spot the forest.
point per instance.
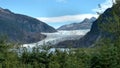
(104, 54)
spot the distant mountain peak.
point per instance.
(97, 32)
(93, 18)
(85, 20)
(21, 28)
(85, 24)
(5, 10)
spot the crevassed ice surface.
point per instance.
(54, 38)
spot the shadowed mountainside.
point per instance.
(96, 31)
(21, 28)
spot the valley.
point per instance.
(56, 37)
(60, 34)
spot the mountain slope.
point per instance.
(22, 28)
(97, 32)
(85, 24)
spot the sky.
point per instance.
(57, 12)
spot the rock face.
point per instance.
(96, 31)
(85, 24)
(22, 28)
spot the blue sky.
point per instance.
(56, 12)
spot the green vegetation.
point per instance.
(98, 57)
(105, 53)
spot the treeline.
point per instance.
(105, 55)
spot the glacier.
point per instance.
(62, 35)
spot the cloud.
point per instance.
(104, 6)
(67, 18)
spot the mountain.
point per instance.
(21, 28)
(85, 24)
(97, 32)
